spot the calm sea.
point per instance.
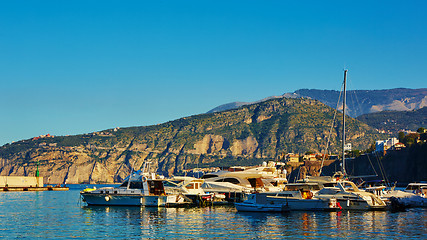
(61, 215)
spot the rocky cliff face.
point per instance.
(257, 132)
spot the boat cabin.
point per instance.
(417, 188)
(155, 187)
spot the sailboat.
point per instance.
(348, 195)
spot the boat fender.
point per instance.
(107, 198)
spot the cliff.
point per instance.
(402, 166)
(247, 135)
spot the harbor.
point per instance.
(60, 215)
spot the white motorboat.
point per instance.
(405, 199)
(285, 201)
(191, 188)
(417, 188)
(257, 203)
(350, 197)
(399, 200)
(139, 189)
(413, 196)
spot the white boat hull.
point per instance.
(269, 202)
(128, 200)
(358, 205)
(247, 207)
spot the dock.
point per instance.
(32, 189)
(24, 183)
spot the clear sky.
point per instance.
(72, 67)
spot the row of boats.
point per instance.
(262, 189)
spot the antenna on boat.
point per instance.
(343, 123)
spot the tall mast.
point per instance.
(343, 124)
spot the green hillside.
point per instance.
(394, 121)
(246, 135)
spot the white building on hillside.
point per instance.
(383, 145)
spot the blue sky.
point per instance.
(72, 67)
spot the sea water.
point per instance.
(62, 215)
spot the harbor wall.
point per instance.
(18, 181)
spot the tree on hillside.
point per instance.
(371, 148)
(401, 136)
(410, 139)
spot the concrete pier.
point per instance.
(20, 183)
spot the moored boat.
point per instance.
(350, 197)
(139, 189)
(286, 201)
(417, 188)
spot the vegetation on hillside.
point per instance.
(246, 135)
(395, 121)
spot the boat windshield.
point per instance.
(171, 183)
(349, 186)
(230, 180)
(415, 186)
(206, 176)
(137, 185)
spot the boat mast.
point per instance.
(343, 124)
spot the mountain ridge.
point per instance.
(359, 102)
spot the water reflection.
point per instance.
(59, 215)
(346, 224)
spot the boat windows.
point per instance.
(329, 184)
(137, 185)
(194, 185)
(156, 187)
(284, 195)
(230, 180)
(170, 184)
(412, 187)
(209, 176)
